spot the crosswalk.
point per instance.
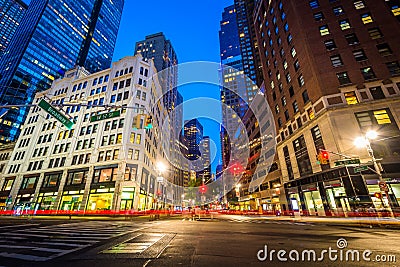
(263, 221)
(39, 244)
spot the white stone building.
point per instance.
(101, 163)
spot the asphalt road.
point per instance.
(227, 241)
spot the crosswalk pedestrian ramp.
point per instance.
(39, 244)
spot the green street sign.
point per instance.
(56, 114)
(105, 116)
(361, 168)
(347, 162)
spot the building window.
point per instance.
(293, 52)
(351, 39)
(280, 122)
(338, 10)
(288, 78)
(291, 91)
(296, 65)
(105, 175)
(375, 33)
(336, 61)
(359, 55)
(324, 30)
(384, 49)
(300, 80)
(377, 93)
(368, 73)
(287, 117)
(314, 4)
(277, 109)
(301, 153)
(344, 24)
(319, 16)
(351, 98)
(330, 44)
(289, 168)
(295, 107)
(29, 182)
(343, 78)
(359, 4)
(366, 18)
(283, 100)
(305, 97)
(393, 67)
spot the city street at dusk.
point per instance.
(199, 133)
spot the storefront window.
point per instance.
(71, 202)
(100, 201)
(314, 203)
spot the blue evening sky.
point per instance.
(192, 27)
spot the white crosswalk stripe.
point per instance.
(45, 243)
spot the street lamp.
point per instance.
(364, 141)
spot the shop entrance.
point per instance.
(338, 201)
(127, 197)
(314, 203)
(100, 201)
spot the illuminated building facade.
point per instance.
(103, 162)
(11, 13)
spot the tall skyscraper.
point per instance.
(332, 74)
(193, 134)
(11, 13)
(54, 36)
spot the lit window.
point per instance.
(351, 39)
(359, 4)
(295, 107)
(285, 65)
(319, 16)
(366, 18)
(351, 98)
(368, 73)
(344, 24)
(343, 78)
(330, 44)
(336, 61)
(396, 10)
(300, 79)
(359, 55)
(293, 52)
(375, 33)
(314, 4)
(384, 49)
(338, 10)
(382, 117)
(324, 30)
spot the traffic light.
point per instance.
(137, 121)
(378, 195)
(148, 122)
(323, 157)
(203, 189)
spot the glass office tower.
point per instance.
(55, 35)
(11, 13)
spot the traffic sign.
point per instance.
(105, 116)
(383, 186)
(361, 168)
(347, 162)
(56, 114)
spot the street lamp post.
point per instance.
(365, 142)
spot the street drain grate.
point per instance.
(144, 246)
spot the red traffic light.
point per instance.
(325, 154)
(203, 189)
